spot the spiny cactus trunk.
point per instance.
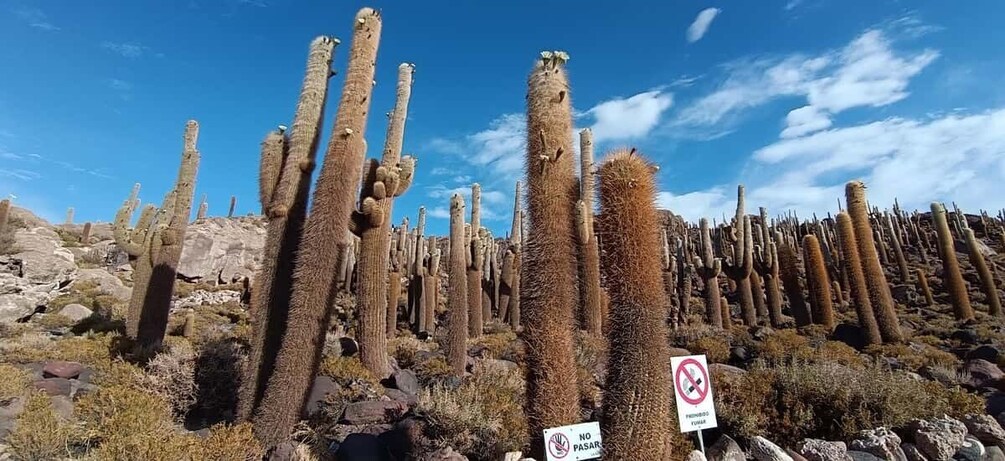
(4, 214)
(953, 278)
(818, 283)
(393, 293)
(85, 235)
(708, 268)
(431, 290)
(506, 285)
(233, 203)
(636, 411)
(457, 294)
(326, 234)
(926, 292)
(788, 268)
(150, 314)
(757, 291)
(284, 186)
(474, 260)
(416, 283)
(589, 253)
(203, 209)
(875, 279)
(385, 182)
(739, 266)
(548, 272)
(987, 279)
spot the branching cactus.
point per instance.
(875, 279)
(637, 396)
(284, 184)
(708, 267)
(738, 265)
(589, 253)
(325, 236)
(457, 294)
(390, 179)
(149, 306)
(475, 258)
(987, 279)
(549, 297)
(819, 284)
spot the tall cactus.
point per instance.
(684, 282)
(549, 296)
(4, 214)
(146, 321)
(708, 267)
(85, 234)
(416, 284)
(953, 278)
(589, 253)
(926, 292)
(987, 279)
(457, 294)
(325, 236)
(766, 265)
(203, 209)
(69, 216)
(516, 244)
(284, 185)
(817, 282)
(383, 183)
(431, 289)
(233, 203)
(637, 409)
(875, 279)
(788, 269)
(856, 281)
(739, 264)
(474, 259)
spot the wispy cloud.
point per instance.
(20, 174)
(701, 23)
(130, 50)
(866, 72)
(628, 118)
(36, 18)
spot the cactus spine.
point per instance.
(856, 281)
(817, 282)
(457, 291)
(589, 253)
(383, 183)
(284, 185)
(953, 278)
(475, 259)
(987, 279)
(637, 396)
(879, 290)
(550, 298)
(326, 235)
(708, 267)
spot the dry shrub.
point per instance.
(53, 321)
(14, 383)
(344, 370)
(715, 348)
(40, 434)
(404, 348)
(126, 423)
(218, 367)
(913, 356)
(496, 344)
(170, 375)
(787, 347)
(232, 443)
(482, 418)
(433, 370)
(829, 401)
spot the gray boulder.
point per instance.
(222, 250)
(107, 282)
(75, 312)
(763, 450)
(822, 450)
(985, 428)
(940, 438)
(880, 442)
(41, 258)
(725, 449)
(972, 450)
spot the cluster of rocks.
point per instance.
(211, 298)
(62, 381)
(32, 276)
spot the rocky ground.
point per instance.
(69, 392)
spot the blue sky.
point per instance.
(791, 98)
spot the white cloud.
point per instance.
(866, 72)
(792, 4)
(119, 85)
(129, 50)
(701, 23)
(630, 118)
(36, 18)
(956, 157)
(805, 120)
(20, 174)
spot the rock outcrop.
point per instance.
(222, 250)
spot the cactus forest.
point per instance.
(865, 331)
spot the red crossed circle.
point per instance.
(558, 445)
(702, 392)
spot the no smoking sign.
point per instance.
(693, 391)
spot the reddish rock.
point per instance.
(54, 386)
(60, 369)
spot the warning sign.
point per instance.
(693, 389)
(573, 443)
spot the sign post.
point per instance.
(693, 391)
(573, 443)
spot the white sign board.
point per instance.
(573, 443)
(693, 390)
